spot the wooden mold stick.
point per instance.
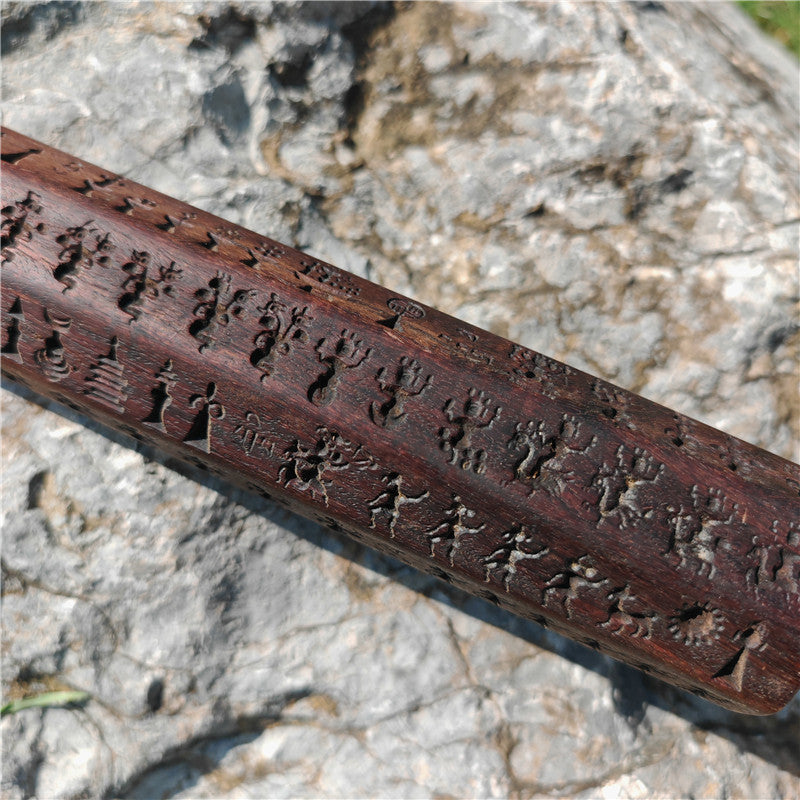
(560, 497)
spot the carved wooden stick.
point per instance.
(628, 527)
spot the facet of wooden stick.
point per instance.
(601, 515)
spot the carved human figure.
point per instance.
(219, 305)
(516, 544)
(453, 529)
(338, 355)
(391, 500)
(406, 382)
(579, 585)
(282, 329)
(142, 285)
(476, 413)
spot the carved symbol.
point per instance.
(211, 243)
(263, 251)
(516, 545)
(754, 640)
(141, 286)
(79, 253)
(282, 329)
(130, 204)
(777, 567)
(106, 384)
(51, 358)
(538, 445)
(694, 532)
(199, 435)
(392, 500)
(466, 346)
(305, 467)
(250, 435)
(15, 158)
(89, 187)
(407, 382)
(617, 485)
(457, 443)
(16, 225)
(453, 529)
(171, 223)
(10, 349)
(330, 277)
(571, 444)
(401, 307)
(697, 624)
(553, 376)
(345, 353)
(162, 399)
(217, 307)
(614, 400)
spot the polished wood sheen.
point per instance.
(560, 497)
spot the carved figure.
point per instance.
(18, 224)
(338, 356)
(52, 358)
(250, 435)
(627, 615)
(777, 567)
(391, 501)
(453, 529)
(142, 285)
(282, 329)
(697, 624)
(579, 580)
(407, 382)
(516, 545)
(82, 248)
(199, 435)
(162, 399)
(10, 349)
(107, 384)
(219, 305)
(476, 414)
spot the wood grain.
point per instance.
(606, 517)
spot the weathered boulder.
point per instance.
(614, 185)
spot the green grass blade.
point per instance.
(45, 700)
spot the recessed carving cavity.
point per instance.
(145, 282)
(404, 382)
(106, 383)
(52, 358)
(478, 411)
(338, 355)
(219, 305)
(283, 329)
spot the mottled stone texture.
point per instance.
(615, 186)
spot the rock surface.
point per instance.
(613, 185)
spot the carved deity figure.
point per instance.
(338, 355)
(453, 529)
(406, 382)
(476, 413)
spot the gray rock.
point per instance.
(614, 185)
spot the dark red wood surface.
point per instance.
(618, 522)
